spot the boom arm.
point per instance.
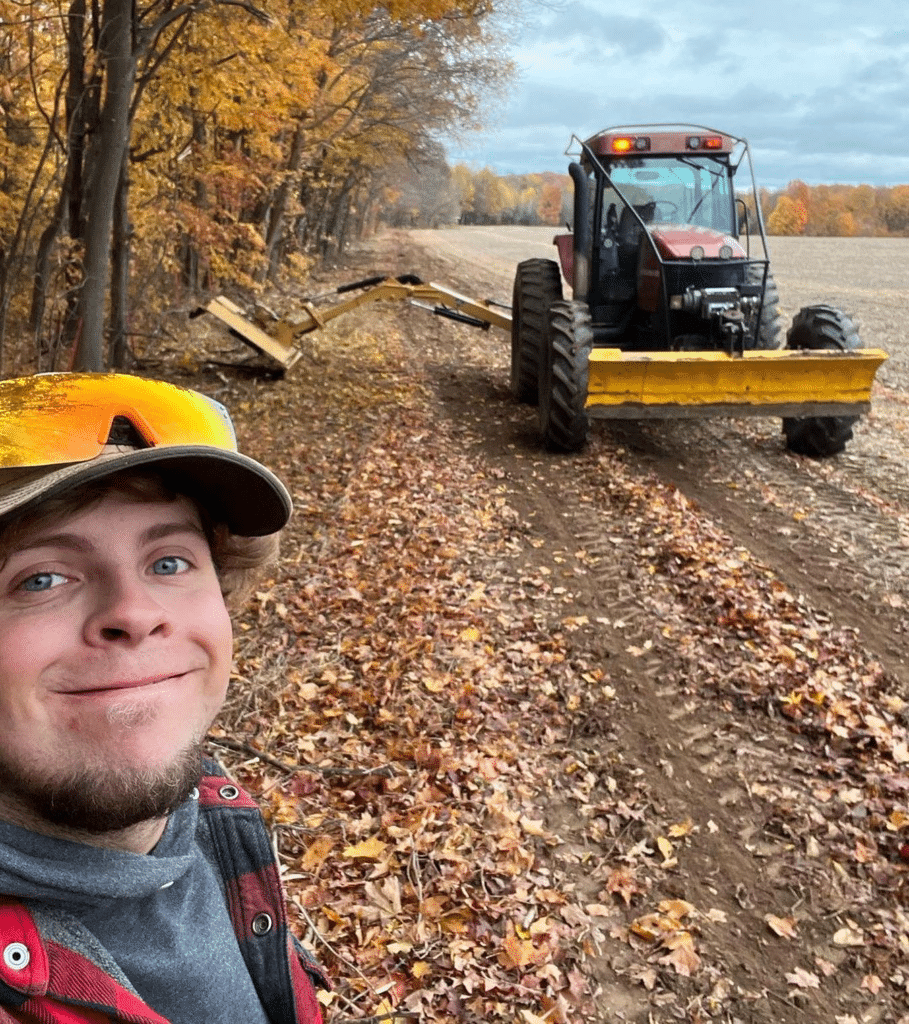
(279, 341)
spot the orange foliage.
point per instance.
(550, 206)
(789, 217)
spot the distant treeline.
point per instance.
(433, 195)
(836, 210)
(460, 195)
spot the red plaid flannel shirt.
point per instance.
(43, 982)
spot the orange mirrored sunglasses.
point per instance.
(57, 418)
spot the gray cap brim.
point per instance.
(235, 489)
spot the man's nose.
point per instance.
(126, 612)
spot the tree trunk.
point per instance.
(80, 108)
(105, 160)
(190, 254)
(119, 290)
(275, 232)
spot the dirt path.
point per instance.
(646, 705)
(838, 531)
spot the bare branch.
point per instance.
(386, 771)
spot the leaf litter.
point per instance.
(461, 834)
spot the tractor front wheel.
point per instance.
(820, 327)
(537, 285)
(564, 377)
(771, 326)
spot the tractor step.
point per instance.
(654, 385)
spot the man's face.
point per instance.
(115, 654)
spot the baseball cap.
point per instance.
(60, 430)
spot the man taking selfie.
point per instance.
(137, 882)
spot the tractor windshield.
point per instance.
(676, 190)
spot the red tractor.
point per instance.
(671, 314)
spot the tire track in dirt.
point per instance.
(829, 531)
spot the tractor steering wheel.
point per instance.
(673, 207)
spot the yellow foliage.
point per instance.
(789, 217)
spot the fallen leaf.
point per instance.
(803, 979)
(848, 937)
(316, 853)
(826, 968)
(666, 849)
(369, 849)
(622, 882)
(684, 959)
(532, 827)
(684, 828)
(677, 909)
(519, 953)
(782, 926)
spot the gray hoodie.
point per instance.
(157, 923)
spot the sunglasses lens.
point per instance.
(52, 419)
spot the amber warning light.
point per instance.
(705, 141)
(625, 144)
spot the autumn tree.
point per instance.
(462, 180)
(527, 210)
(422, 193)
(896, 210)
(789, 217)
(393, 86)
(211, 139)
(491, 197)
(550, 207)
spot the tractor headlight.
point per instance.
(697, 252)
(725, 252)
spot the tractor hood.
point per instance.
(676, 241)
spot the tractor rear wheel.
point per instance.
(770, 328)
(819, 327)
(565, 375)
(537, 285)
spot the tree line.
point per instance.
(150, 150)
(459, 195)
(432, 196)
(836, 210)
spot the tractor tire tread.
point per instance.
(770, 329)
(537, 284)
(819, 327)
(563, 418)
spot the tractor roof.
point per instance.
(660, 140)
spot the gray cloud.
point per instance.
(613, 33)
(819, 93)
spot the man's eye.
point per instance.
(42, 581)
(170, 565)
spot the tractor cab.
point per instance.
(655, 250)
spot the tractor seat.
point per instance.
(629, 228)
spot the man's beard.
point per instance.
(102, 799)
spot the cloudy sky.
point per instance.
(820, 90)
